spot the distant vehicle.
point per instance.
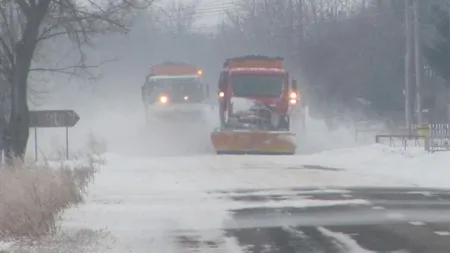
(256, 97)
(174, 91)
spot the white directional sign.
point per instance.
(53, 118)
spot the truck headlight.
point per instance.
(163, 99)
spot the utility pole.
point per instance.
(448, 89)
(418, 59)
(301, 19)
(298, 54)
(408, 65)
(290, 30)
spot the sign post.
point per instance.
(35, 144)
(53, 119)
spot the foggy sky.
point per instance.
(210, 12)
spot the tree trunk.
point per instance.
(19, 121)
(24, 51)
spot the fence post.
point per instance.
(427, 144)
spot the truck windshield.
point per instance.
(177, 88)
(248, 85)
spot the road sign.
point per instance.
(53, 118)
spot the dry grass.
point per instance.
(33, 196)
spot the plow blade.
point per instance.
(253, 142)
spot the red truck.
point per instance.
(256, 96)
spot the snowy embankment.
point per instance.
(413, 165)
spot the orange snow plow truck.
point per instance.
(255, 99)
(174, 91)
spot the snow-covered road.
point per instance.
(143, 201)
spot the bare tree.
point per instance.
(26, 26)
(178, 18)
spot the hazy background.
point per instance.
(348, 56)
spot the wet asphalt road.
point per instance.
(396, 220)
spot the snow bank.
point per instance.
(318, 137)
(413, 165)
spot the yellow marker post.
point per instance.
(423, 130)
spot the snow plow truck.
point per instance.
(256, 97)
(174, 91)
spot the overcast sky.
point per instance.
(210, 12)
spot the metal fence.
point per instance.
(433, 137)
(437, 137)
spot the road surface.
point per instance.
(387, 223)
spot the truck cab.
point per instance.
(174, 88)
(259, 83)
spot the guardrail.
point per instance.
(434, 138)
(405, 140)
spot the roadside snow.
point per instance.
(413, 165)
